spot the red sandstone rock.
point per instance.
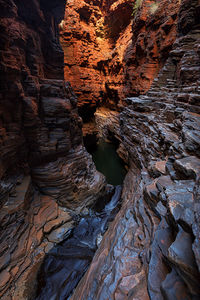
(41, 131)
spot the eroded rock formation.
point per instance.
(114, 49)
(41, 129)
(40, 142)
(151, 250)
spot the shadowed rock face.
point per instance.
(41, 150)
(40, 127)
(113, 50)
(151, 250)
(66, 263)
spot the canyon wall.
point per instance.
(151, 250)
(114, 49)
(40, 127)
(43, 163)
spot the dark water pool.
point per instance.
(108, 162)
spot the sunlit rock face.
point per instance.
(151, 250)
(114, 49)
(40, 126)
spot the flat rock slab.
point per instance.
(189, 166)
(181, 255)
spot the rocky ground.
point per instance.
(151, 250)
(41, 144)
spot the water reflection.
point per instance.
(108, 162)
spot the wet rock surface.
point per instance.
(66, 263)
(116, 271)
(151, 250)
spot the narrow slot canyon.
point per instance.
(100, 150)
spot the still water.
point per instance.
(108, 162)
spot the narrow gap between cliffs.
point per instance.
(67, 262)
(105, 156)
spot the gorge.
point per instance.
(74, 73)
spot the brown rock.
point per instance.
(4, 278)
(40, 125)
(58, 235)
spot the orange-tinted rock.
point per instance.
(160, 132)
(4, 278)
(112, 51)
(141, 256)
(41, 149)
(25, 239)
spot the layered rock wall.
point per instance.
(40, 126)
(114, 49)
(151, 251)
(43, 163)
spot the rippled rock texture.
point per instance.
(67, 262)
(114, 49)
(40, 127)
(31, 224)
(151, 251)
(43, 163)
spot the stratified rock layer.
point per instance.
(40, 127)
(151, 250)
(31, 224)
(114, 49)
(43, 163)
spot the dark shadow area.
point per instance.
(108, 162)
(116, 21)
(86, 112)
